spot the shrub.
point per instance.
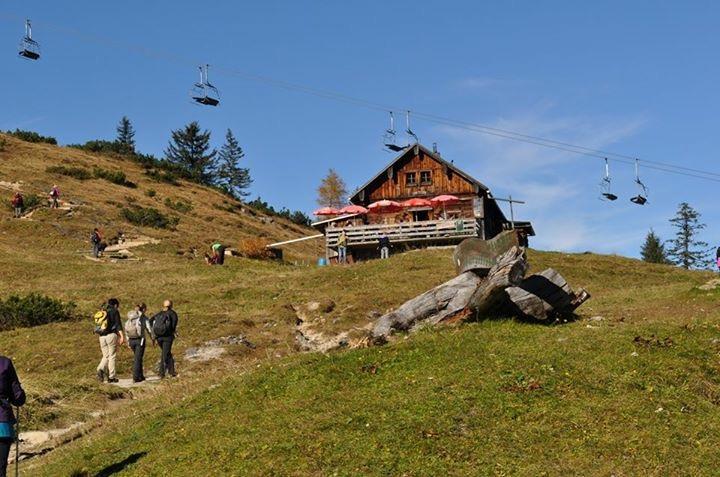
(150, 193)
(297, 216)
(162, 176)
(2, 144)
(149, 217)
(180, 206)
(31, 136)
(76, 172)
(116, 177)
(102, 146)
(254, 247)
(33, 310)
(30, 202)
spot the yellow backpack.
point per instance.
(101, 321)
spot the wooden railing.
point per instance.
(427, 230)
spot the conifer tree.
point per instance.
(332, 191)
(653, 250)
(685, 249)
(230, 176)
(190, 149)
(126, 135)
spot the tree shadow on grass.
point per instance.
(120, 466)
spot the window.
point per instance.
(410, 179)
(425, 177)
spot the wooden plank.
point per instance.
(302, 239)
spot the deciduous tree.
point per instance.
(332, 191)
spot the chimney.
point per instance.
(435, 151)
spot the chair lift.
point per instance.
(204, 92)
(605, 185)
(29, 48)
(409, 131)
(641, 198)
(389, 138)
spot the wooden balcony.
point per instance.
(438, 231)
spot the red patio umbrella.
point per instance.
(444, 200)
(353, 209)
(326, 211)
(417, 202)
(384, 207)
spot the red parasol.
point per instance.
(384, 207)
(326, 211)
(444, 200)
(353, 209)
(417, 202)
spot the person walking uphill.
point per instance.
(137, 328)
(18, 204)
(11, 394)
(54, 197)
(96, 240)
(164, 328)
(109, 327)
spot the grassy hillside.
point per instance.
(592, 397)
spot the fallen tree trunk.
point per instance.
(466, 295)
(544, 296)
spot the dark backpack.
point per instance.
(95, 238)
(162, 325)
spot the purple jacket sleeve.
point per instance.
(18, 393)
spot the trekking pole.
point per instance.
(17, 441)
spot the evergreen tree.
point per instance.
(126, 135)
(685, 249)
(230, 176)
(653, 250)
(189, 148)
(332, 191)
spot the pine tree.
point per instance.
(126, 135)
(189, 148)
(332, 191)
(653, 250)
(685, 249)
(230, 176)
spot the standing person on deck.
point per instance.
(11, 394)
(54, 196)
(164, 327)
(18, 204)
(137, 329)
(111, 337)
(342, 247)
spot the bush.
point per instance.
(162, 176)
(116, 177)
(31, 136)
(2, 144)
(297, 217)
(104, 147)
(180, 206)
(33, 310)
(30, 202)
(254, 247)
(76, 172)
(149, 217)
(150, 193)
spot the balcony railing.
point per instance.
(422, 231)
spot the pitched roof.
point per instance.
(429, 153)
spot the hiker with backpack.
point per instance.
(54, 197)
(110, 330)
(164, 327)
(137, 328)
(18, 204)
(11, 394)
(96, 240)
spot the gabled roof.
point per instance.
(428, 152)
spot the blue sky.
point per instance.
(638, 78)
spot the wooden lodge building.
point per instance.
(417, 172)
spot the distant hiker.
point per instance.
(384, 246)
(164, 327)
(11, 394)
(137, 329)
(18, 203)
(54, 197)
(96, 240)
(342, 247)
(218, 254)
(109, 327)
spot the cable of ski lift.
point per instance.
(29, 48)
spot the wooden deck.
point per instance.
(441, 231)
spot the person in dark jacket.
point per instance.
(18, 204)
(384, 246)
(110, 339)
(96, 240)
(137, 338)
(11, 394)
(165, 330)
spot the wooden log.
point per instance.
(466, 295)
(544, 296)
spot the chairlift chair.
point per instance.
(29, 48)
(203, 92)
(390, 138)
(409, 131)
(605, 189)
(641, 198)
